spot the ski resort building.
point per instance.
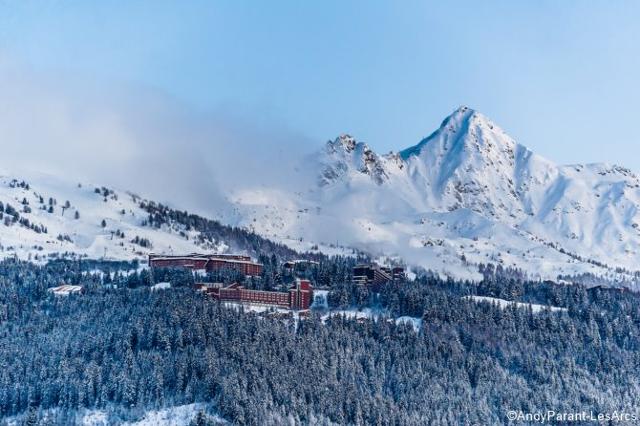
(300, 296)
(207, 262)
(371, 274)
(375, 275)
(292, 267)
(398, 274)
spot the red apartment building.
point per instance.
(300, 296)
(207, 262)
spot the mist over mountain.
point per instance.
(137, 139)
(466, 194)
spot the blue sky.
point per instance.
(559, 76)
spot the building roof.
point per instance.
(207, 257)
(65, 289)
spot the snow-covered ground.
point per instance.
(65, 289)
(73, 215)
(180, 415)
(361, 314)
(504, 303)
(366, 313)
(416, 323)
(260, 309)
(173, 416)
(160, 286)
(320, 299)
(372, 314)
(465, 195)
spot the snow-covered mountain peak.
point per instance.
(467, 189)
(462, 130)
(465, 142)
(344, 141)
(465, 195)
(345, 156)
(469, 162)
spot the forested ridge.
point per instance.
(124, 348)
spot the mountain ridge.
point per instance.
(466, 177)
(467, 194)
(44, 217)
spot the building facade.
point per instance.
(207, 262)
(376, 276)
(300, 296)
(371, 275)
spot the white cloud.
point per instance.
(137, 139)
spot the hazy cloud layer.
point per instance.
(137, 139)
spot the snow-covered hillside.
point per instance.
(467, 194)
(43, 216)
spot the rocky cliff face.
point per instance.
(346, 158)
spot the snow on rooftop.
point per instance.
(65, 289)
(161, 286)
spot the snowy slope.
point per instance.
(502, 303)
(466, 194)
(170, 416)
(57, 216)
